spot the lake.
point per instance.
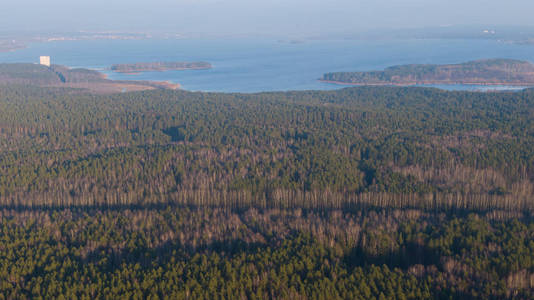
(254, 65)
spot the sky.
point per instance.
(272, 17)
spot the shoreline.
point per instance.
(107, 85)
(523, 84)
(148, 83)
(167, 84)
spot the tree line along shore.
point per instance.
(481, 72)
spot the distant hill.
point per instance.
(160, 66)
(61, 76)
(479, 72)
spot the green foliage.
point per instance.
(360, 193)
(406, 146)
(486, 72)
(217, 254)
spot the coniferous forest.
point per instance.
(359, 193)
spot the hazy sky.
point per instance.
(280, 17)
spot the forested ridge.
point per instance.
(33, 74)
(359, 193)
(483, 72)
(65, 77)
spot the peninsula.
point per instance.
(160, 66)
(83, 79)
(479, 72)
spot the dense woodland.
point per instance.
(387, 147)
(483, 72)
(360, 193)
(34, 74)
(64, 77)
(182, 253)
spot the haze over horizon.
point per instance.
(275, 17)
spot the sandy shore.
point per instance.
(117, 86)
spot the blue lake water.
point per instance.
(253, 65)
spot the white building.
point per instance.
(44, 60)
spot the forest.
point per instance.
(478, 72)
(398, 147)
(214, 253)
(75, 78)
(358, 193)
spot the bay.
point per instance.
(256, 65)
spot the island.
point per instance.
(77, 78)
(160, 67)
(479, 72)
